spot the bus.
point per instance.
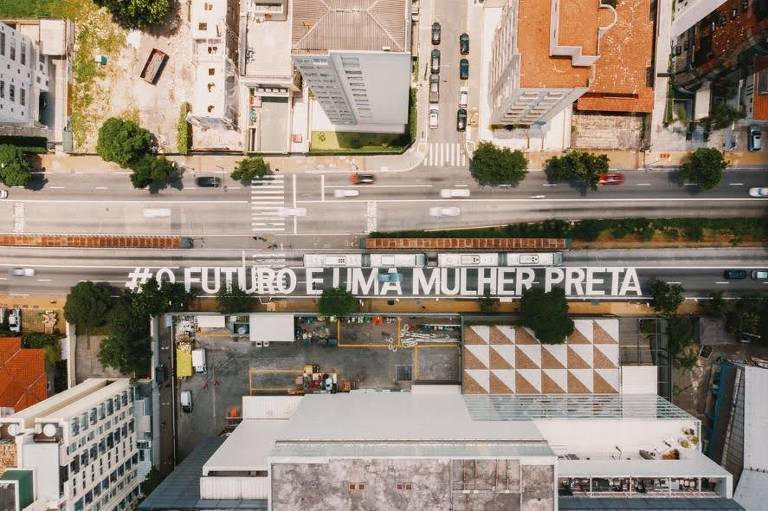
(452, 260)
(534, 259)
(365, 260)
(333, 260)
(395, 260)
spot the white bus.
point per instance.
(467, 260)
(333, 260)
(534, 259)
(395, 260)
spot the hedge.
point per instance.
(183, 131)
(30, 145)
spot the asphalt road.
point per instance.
(698, 270)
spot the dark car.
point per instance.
(435, 33)
(464, 44)
(461, 119)
(208, 181)
(463, 69)
(735, 274)
(435, 61)
(363, 179)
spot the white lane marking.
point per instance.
(137, 201)
(552, 185)
(322, 187)
(585, 199)
(735, 184)
(18, 294)
(294, 190)
(461, 185)
(722, 282)
(101, 188)
(3, 278)
(56, 187)
(642, 184)
(384, 186)
(44, 280)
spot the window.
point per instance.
(762, 83)
(211, 71)
(2, 89)
(24, 52)
(202, 26)
(13, 49)
(2, 43)
(23, 96)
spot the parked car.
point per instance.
(758, 192)
(186, 401)
(444, 211)
(434, 117)
(3, 194)
(435, 61)
(362, 179)
(760, 274)
(464, 43)
(451, 193)
(611, 178)
(435, 33)
(341, 193)
(434, 88)
(735, 274)
(161, 373)
(22, 272)
(463, 69)
(14, 320)
(463, 97)
(461, 119)
(753, 138)
(208, 182)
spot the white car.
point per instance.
(14, 320)
(285, 212)
(444, 211)
(463, 97)
(758, 192)
(434, 117)
(452, 193)
(22, 272)
(341, 193)
(3, 194)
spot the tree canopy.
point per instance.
(337, 301)
(14, 167)
(577, 166)
(666, 298)
(232, 299)
(128, 349)
(137, 13)
(88, 304)
(153, 299)
(152, 171)
(749, 315)
(723, 115)
(546, 314)
(248, 169)
(123, 141)
(704, 167)
(492, 165)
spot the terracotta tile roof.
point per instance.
(620, 79)
(320, 25)
(23, 380)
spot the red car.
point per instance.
(611, 179)
(362, 179)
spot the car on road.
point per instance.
(611, 178)
(435, 61)
(362, 179)
(758, 192)
(463, 69)
(208, 182)
(464, 43)
(286, 212)
(451, 193)
(14, 320)
(753, 138)
(735, 274)
(463, 97)
(341, 193)
(435, 33)
(434, 88)
(434, 117)
(760, 274)
(22, 272)
(391, 276)
(185, 399)
(438, 211)
(3, 194)
(461, 119)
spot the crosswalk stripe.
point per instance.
(445, 154)
(267, 198)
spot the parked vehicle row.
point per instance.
(739, 274)
(453, 260)
(434, 80)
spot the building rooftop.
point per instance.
(752, 490)
(372, 25)
(620, 81)
(247, 447)
(23, 380)
(647, 504)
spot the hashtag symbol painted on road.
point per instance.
(138, 277)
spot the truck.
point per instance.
(183, 363)
(534, 259)
(153, 66)
(198, 361)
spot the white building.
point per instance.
(689, 12)
(79, 446)
(356, 60)
(23, 76)
(542, 57)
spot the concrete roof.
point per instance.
(320, 25)
(752, 491)
(755, 418)
(56, 402)
(693, 466)
(247, 447)
(272, 327)
(472, 450)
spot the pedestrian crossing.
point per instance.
(267, 199)
(445, 154)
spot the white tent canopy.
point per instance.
(271, 327)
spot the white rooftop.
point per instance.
(270, 42)
(695, 466)
(752, 491)
(247, 447)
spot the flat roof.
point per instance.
(247, 447)
(752, 490)
(270, 42)
(271, 327)
(693, 466)
(52, 404)
(371, 25)
(755, 418)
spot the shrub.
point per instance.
(123, 142)
(492, 165)
(14, 167)
(183, 131)
(249, 169)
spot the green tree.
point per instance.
(138, 13)
(714, 307)
(546, 314)
(88, 304)
(577, 166)
(248, 169)
(152, 171)
(337, 301)
(128, 349)
(123, 142)
(680, 334)
(152, 299)
(704, 167)
(723, 115)
(232, 300)
(492, 165)
(666, 298)
(14, 167)
(151, 481)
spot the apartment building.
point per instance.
(689, 12)
(23, 76)
(76, 450)
(356, 61)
